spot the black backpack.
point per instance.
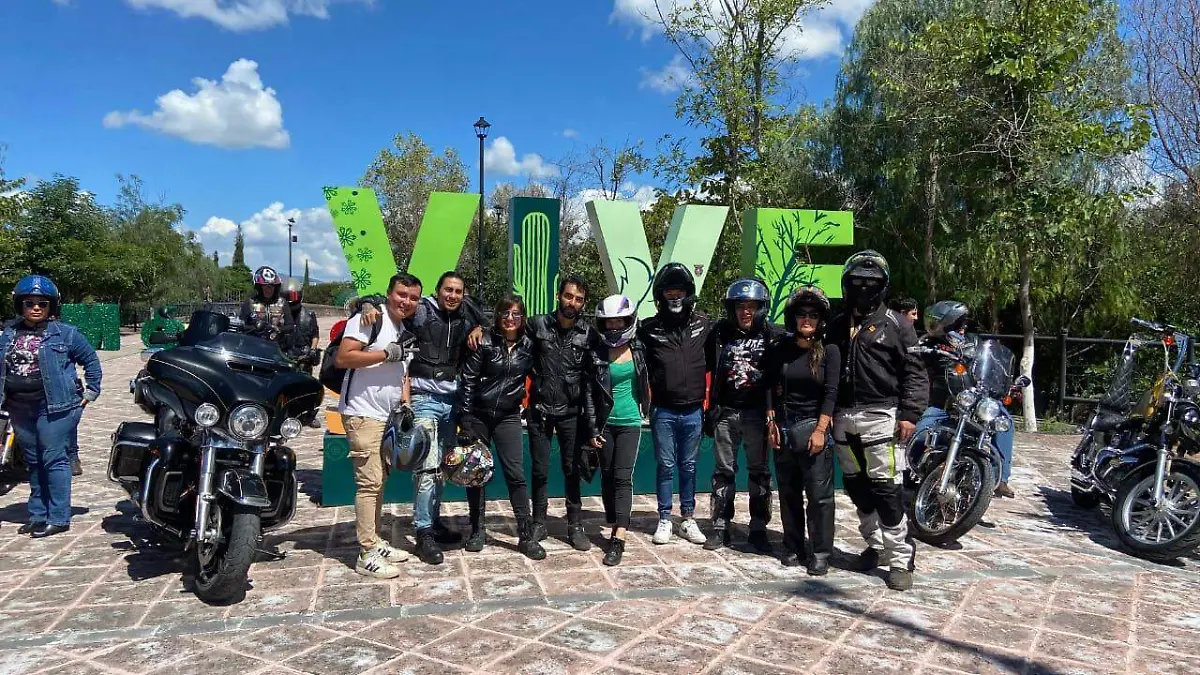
(331, 376)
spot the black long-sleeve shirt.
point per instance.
(793, 391)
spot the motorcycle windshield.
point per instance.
(246, 348)
(993, 367)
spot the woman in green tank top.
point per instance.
(617, 403)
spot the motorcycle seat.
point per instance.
(1108, 421)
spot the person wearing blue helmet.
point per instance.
(737, 403)
(39, 360)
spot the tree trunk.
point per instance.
(1027, 355)
(993, 311)
(931, 213)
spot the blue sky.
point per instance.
(298, 94)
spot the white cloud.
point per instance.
(240, 15)
(237, 112)
(501, 157)
(673, 77)
(266, 235)
(823, 32)
(570, 133)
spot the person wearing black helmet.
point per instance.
(675, 340)
(802, 375)
(39, 360)
(946, 330)
(883, 392)
(737, 398)
(265, 312)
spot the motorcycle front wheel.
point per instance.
(222, 568)
(942, 519)
(1159, 533)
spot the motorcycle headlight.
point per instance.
(290, 428)
(965, 400)
(207, 415)
(988, 410)
(248, 422)
(1002, 424)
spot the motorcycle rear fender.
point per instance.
(243, 487)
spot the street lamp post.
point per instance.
(481, 131)
(291, 238)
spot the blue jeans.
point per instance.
(45, 438)
(676, 445)
(427, 485)
(1003, 440)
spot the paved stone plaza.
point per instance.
(1039, 588)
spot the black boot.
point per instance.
(445, 535)
(577, 538)
(478, 537)
(758, 539)
(427, 548)
(526, 543)
(718, 538)
(868, 560)
(538, 527)
(818, 566)
(616, 548)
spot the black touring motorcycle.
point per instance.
(213, 470)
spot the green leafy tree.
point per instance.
(239, 249)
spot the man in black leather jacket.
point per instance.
(561, 368)
(884, 390)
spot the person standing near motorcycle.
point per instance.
(946, 330)
(883, 391)
(305, 336)
(618, 400)
(377, 383)
(735, 349)
(802, 374)
(675, 340)
(265, 312)
(490, 392)
(562, 347)
(39, 360)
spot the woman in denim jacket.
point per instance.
(38, 367)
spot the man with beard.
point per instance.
(884, 389)
(736, 348)
(562, 344)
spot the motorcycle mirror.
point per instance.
(1022, 382)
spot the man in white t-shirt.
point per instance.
(375, 383)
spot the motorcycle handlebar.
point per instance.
(1152, 326)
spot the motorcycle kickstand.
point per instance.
(272, 555)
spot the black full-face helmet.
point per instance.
(865, 280)
(674, 276)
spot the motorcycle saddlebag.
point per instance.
(131, 445)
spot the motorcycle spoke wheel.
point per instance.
(937, 515)
(1156, 525)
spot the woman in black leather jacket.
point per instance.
(618, 401)
(491, 389)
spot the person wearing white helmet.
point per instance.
(618, 400)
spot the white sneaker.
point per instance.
(689, 530)
(371, 564)
(390, 553)
(663, 534)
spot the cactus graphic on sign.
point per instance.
(775, 248)
(533, 244)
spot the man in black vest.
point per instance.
(562, 343)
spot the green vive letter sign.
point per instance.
(364, 240)
(775, 245)
(533, 229)
(625, 253)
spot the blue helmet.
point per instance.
(747, 289)
(35, 284)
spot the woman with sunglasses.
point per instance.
(39, 358)
(491, 389)
(802, 374)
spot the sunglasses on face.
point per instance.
(812, 316)
(511, 315)
(39, 304)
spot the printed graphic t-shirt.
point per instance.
(23, 373)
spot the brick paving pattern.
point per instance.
(1040, 587)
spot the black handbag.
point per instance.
(795, 436)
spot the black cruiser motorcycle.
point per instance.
(953, 466)
(213, 470)
(1139, 452)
